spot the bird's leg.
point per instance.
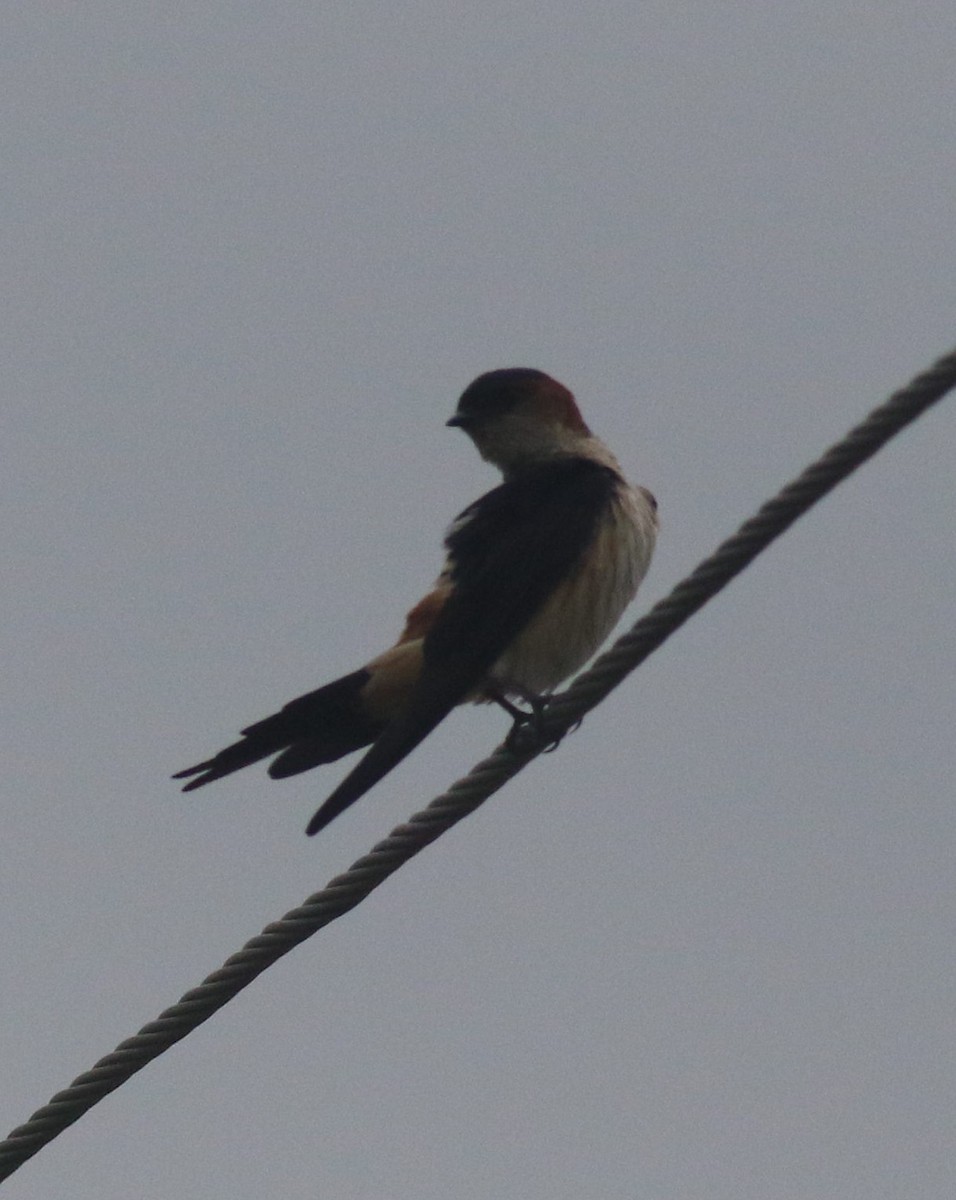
(521, 718)
(517, 715)
(536, 703)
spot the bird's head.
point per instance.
(518, 416)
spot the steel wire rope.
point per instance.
(347, 890)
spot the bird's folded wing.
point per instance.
(507, 553)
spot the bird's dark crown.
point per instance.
(498, 392)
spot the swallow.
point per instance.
(537, 573)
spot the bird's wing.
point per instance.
(507, 553)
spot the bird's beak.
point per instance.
(458, 421)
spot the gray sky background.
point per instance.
(252, 254)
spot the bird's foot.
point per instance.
(531, 720)
(559, 738)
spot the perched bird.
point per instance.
(537, 573)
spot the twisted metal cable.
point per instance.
(345, 891)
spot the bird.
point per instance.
(537, 573)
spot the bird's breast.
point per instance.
(582, 611)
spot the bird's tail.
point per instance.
(316, 728)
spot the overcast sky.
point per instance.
(251, 256)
